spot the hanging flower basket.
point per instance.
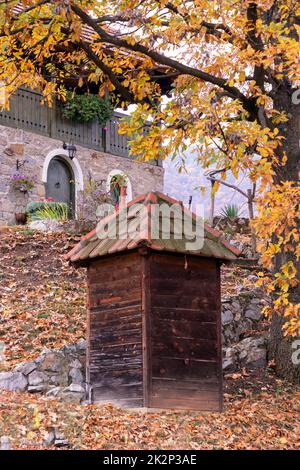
(22, 183)
(87, 107)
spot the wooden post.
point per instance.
(251, 217)
(212, 204)
(106, 133)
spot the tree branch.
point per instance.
(124, 92)
(232, 186)
(162, 59)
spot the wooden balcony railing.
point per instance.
(26, 112)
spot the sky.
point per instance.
(183, 185)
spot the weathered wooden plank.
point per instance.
(185, 384)
(185, 348)
(114, 267)
(122, 311)
(102, 287)
(95, 302)
(125, 337)
(183, 329)
(105, 354)
(116, 330)
(173, 313)
(187, 262)
(200, 301)
(102, 329)
(120, 391)
(185, 404)
(185, 395)
(182, 285)
(117, 364)
(180, 368)
(128, 376)
(116, 339)
(111, 315)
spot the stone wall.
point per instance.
(18, 144)
(230, 226)
(244, 331)
(57, 373)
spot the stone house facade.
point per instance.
(25, 139)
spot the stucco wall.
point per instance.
(18, 144)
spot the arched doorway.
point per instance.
(60, 184)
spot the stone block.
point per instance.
(52, 362)
(36, 378)
(13, 381)
(227, 317)
(26, 368)
(76, 375)
(17, 148)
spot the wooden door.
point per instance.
(60, 182)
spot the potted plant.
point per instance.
(117, 182)
(21, 182)
(21, 218)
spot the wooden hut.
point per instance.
(154, 316)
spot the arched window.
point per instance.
(116, 179)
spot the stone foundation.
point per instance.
(18, 144)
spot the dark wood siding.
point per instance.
(115, 330)
(184, 334)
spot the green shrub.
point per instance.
(38, 210)
(230, 211)
(59, 212)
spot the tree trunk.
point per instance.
(282, 348)
(287, 364)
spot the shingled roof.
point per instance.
(91, 246)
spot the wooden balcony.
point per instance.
(26, 112)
